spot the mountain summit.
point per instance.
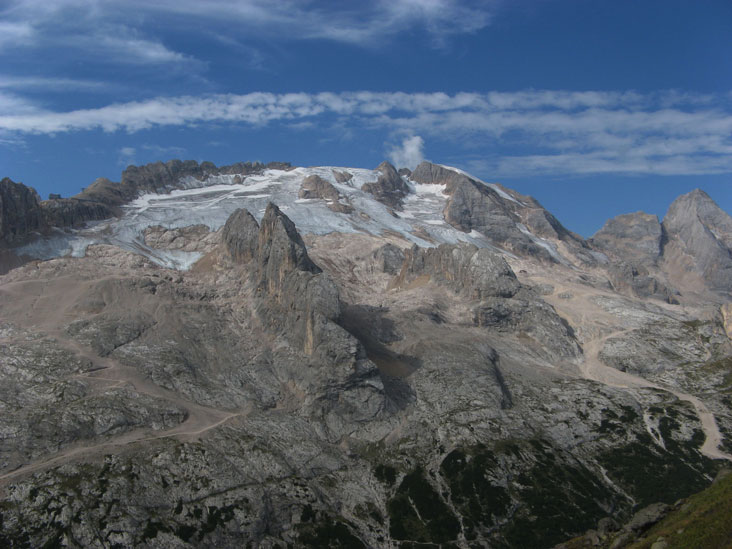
(338, 357)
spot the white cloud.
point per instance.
(556, 132)
(126, 156)
(48, 83)
(366, 23)
(409, 153)
(15, 34)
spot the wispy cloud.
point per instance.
(49, 84)
(409, 153)
(108, 24)
(556, 131)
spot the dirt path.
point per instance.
(107, 373)
(583, 312)
(593, 368)
(190, 429)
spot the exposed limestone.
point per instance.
(342, 177)
(478, 273)
(635, 279)
(240, 235)
(505, 217)
(726, 311)
(390, 188)
(194, 238)
(389, 258)
(315, 186)
(699, 241)
(502, 302)
(632, 237)
(20, 211)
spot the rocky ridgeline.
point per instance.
(690, 250)
(22, 212)
(500, 213)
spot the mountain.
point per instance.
(312, 357)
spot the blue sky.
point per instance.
(594, 107)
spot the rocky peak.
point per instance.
(699, 239)
(20, 210)
(282, 266)
(280, 246)
(429, 173)
(634, 236)
(240, 235)
(473, 205)
(389, 188)
(698, 206)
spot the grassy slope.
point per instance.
(704, 521)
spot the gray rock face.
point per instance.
(194, 238)
(342, 177)
(73, 212)
(390, 188)
(389, 259)
(503, 303)
(631, 237)
(299, 296)
(699, 240)
(315, 186)
(476, 206)
(477, 273)
(20, 210)
(635, 279)
(280, 251)
(240, 235)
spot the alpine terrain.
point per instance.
(276, 356)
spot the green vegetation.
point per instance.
(323, 530)
(558, 499)
(704, 521)
(417, 513)
(385, 474)
(650, 475)
(475, 497)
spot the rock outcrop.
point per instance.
(315, 186)
(300, 302)
(476, 273)
(512, 221)
(635, 279)
(20, 211)
(389, 188)
(503, 303)
(635, 237)
(699, 241)
(240, 235)
(342, 177)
